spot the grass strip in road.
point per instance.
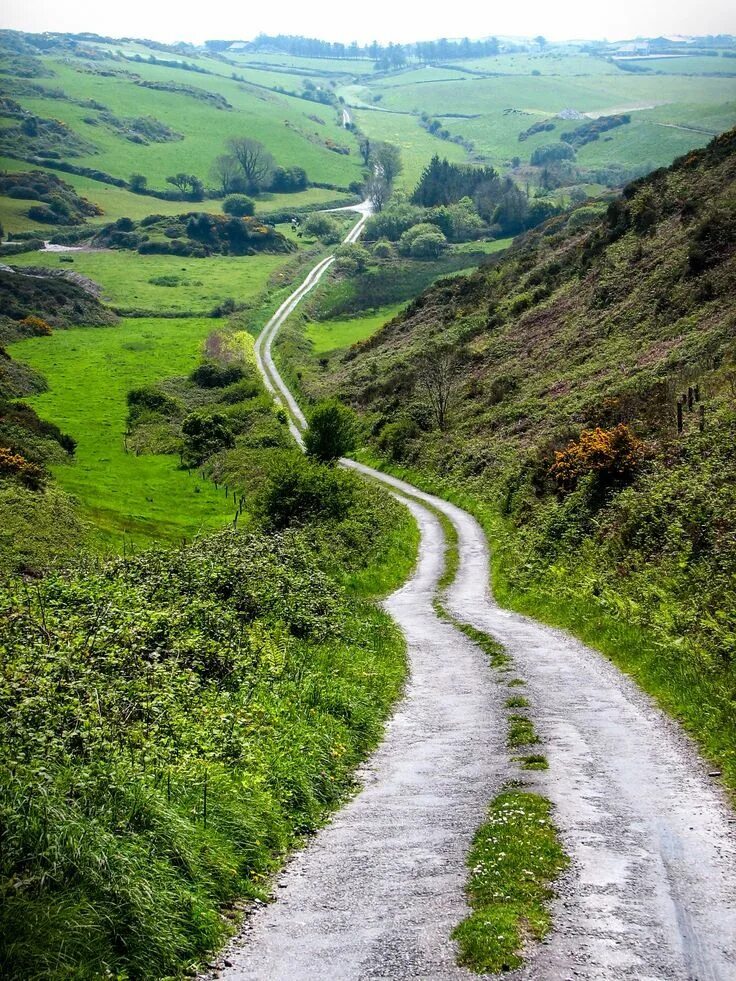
(535, 761)
(521, 732)
(515, 858)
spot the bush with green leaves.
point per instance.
(298, 490)
(383, 249)
(172, 723)
(393, 221)
(323, 227)
(214, 374)
(239, 205)
(151, 401)
(422, 241)
(353, 258)
(333, 431)
(459, 222)
(205, 433)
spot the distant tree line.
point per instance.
(385, 56)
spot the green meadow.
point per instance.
(117, 202)
(281, 122)
(133, 282)
(330, 335)
(128, 498)
(417, 145)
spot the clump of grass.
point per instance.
(521, 732)
(517, 702)
(515, 858)
(496, 652)
(516, 682)
(535, 761)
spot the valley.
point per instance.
(367, 508)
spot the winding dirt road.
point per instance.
(651, 893)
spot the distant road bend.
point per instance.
(651, 893)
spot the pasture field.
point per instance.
(281, 122)
(128, 498)
(670, 113)
(116, 202)
(417, 145)
(127, 277)
(685, 64)
(331, 335)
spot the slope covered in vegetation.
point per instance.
(173, 723)
(544, 391)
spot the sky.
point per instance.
(382, 20)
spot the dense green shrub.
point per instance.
(332, 432)
(552, 153)
(205, 433)
(297, 491)
(214, 374)
(422, 241)
(239, 205)
(151, 401)
(171, 724)
(323, 227)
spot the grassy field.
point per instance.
(505, 104)
(417, 145)
(90, 371)
(116, 202)
(128, 278)
(329, 335)
(281, 122)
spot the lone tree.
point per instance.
(226, 174)
(378, 191)
(188, 184)
(239, 205)
(255, 162)
(387, 161)
(438, 376)
(333, 432)
(365, 150)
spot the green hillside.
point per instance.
(561, 366)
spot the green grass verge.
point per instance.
(515, 856)
(330, 335)
(392, 565)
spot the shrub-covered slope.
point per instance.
(171, 724)
(560, 368)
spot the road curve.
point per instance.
(651, 893)
(377, 892)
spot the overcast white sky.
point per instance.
(383, 20)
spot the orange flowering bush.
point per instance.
(613, 454)
(37, 326)
(16, 466)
